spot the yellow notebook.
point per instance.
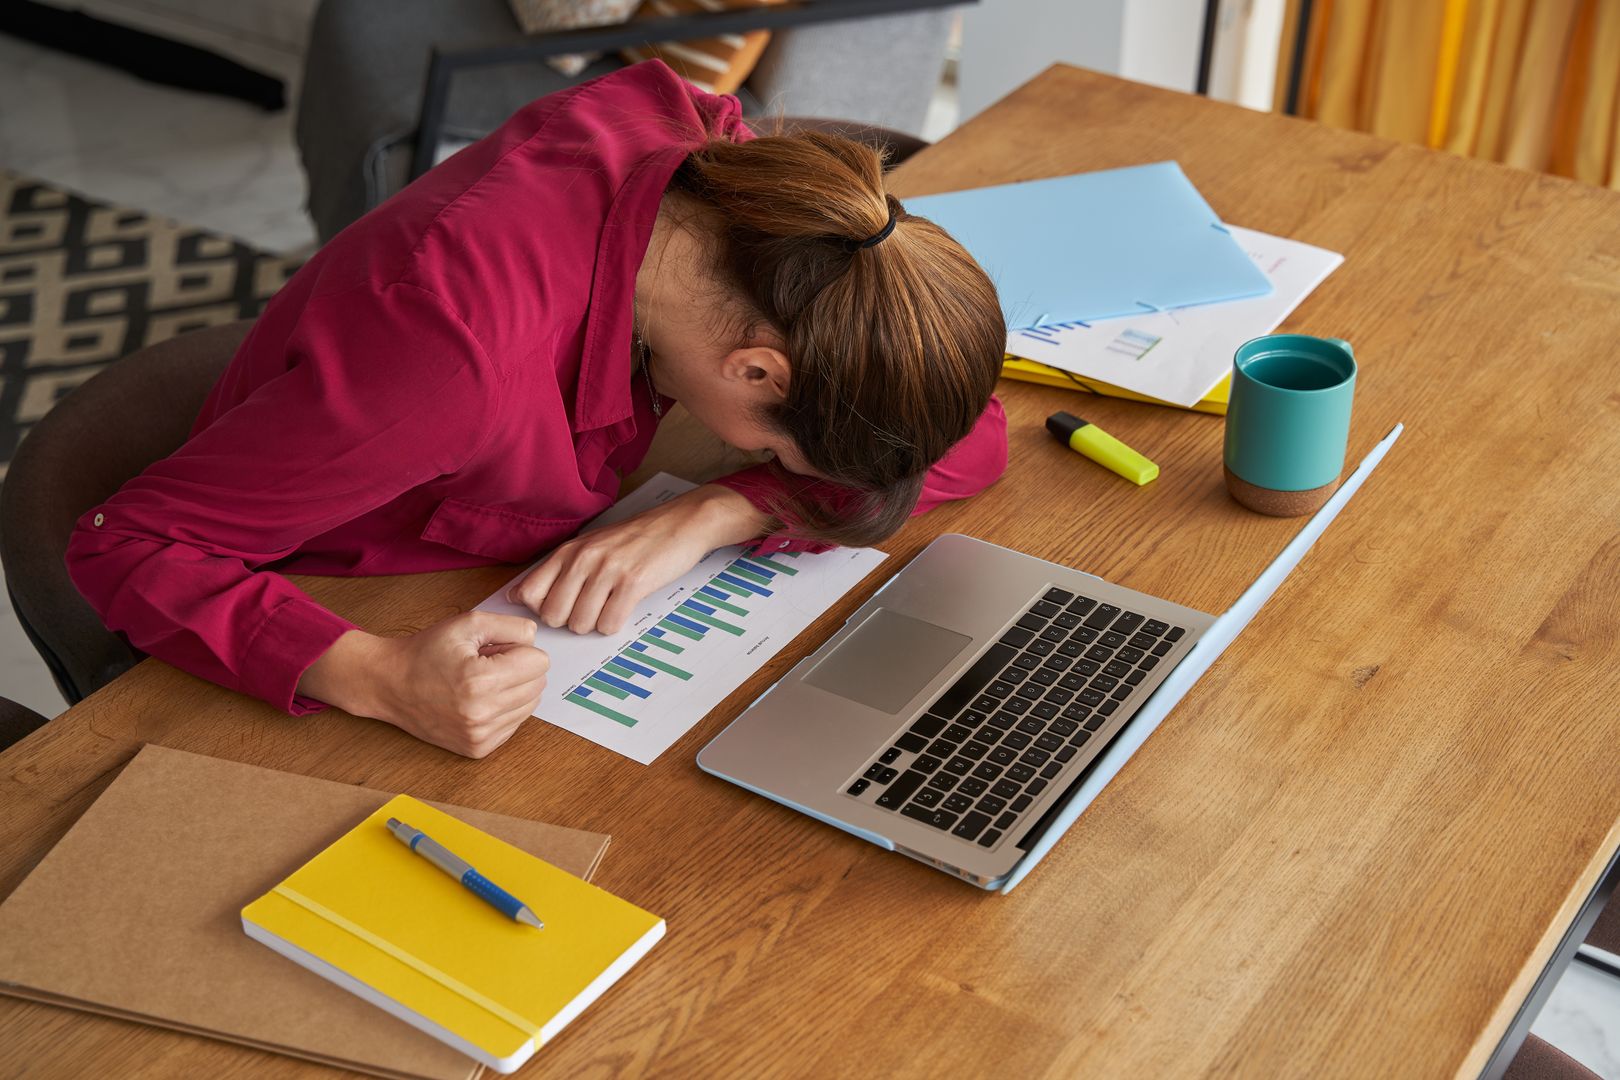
(388, 925)
(1016, 367)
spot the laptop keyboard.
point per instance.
(1010, 726)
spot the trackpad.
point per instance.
(887, 660)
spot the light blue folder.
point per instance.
(1097, 245)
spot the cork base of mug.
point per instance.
(1278, 503)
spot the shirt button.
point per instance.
(782, 544)
(99, 519)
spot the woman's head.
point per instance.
(864, 361)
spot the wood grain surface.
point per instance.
(1348, 852)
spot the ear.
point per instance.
(762, 368)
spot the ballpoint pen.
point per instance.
(458, 868)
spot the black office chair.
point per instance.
(17, 722)
(137, 411)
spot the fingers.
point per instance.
(488, 628)
(532, 588)
(517, 665)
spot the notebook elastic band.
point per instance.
(455, 986)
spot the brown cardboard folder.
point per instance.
(135, 913)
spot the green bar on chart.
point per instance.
(654, 662)
(710, 620)
(751, 575)
(661, 643)
(723, 606)
(601, 710)
(677, 628)
(774, 565)
(732, 589)
(607, 688)
(619, 669)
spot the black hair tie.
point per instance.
(879, 236)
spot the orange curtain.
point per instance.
(1533, 83)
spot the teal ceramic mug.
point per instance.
(1288, 422)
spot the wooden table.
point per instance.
(1349, 851)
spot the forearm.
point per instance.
(348, 674)
(724, 516)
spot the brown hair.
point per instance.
(895, 347)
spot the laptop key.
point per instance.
(971, 718)
(1045, 609)
(1003, 755)
(859, 786)
(999, 689)
(972, 825)
(961, 766)
(1096, 721)
(1163, 647)
(992, 805)
(1004, 720)
(1076, 712)
(928, 797)
(988, 735)
(986, 703)
(1067, 621)
(1148, 663)
(1127, 623)
(1020, 804)
(957, 733)
(956, 803)
(1013, 675)
(1016, 636)
(1068, 752)
(1140, 640)
(939, 819)
(1072, 681)
(1081, 605)
(989, 838)
(1016, 705)
(1044, 677)
(1031, 690)
(1111, 639)
(887, 774)
(1063, 727)
(1079, 738)
(1099, 653)
(1020, 774)
(1136, 676)
(1035, 788)
(1052, 769)
(1059, 696)
(929, 726)
(1045, 710)
(1005, 820)
(872, 771)
(1041, 647)
(1031, 725)
(1129, 655)
(896, 794)
(1054, 634)
(1055, 595)
(970, 682)
(1116, 669)
(942, 748)
(1122, 691)
(1071, 648)
(1050, 741)
(1174, 633)
(888, 756)
(971, 786)
(1032, 623)
(974, 750)
(1100, 618)
(1027, 661)
(987, 770)
(1092, 697)
(1107, 708)
(1058, 663)
(942, 780)
(911, 742)
(925, 763)
(1014, 740)
(1006, 789)
(1085, 667)
(1034, 758)
(1085, 635)
(1104, 683)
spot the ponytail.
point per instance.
(894, 334)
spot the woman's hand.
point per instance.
(594, 581)
(464, 684)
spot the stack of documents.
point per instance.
(1125, 282)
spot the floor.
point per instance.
(227, 166)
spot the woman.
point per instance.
(462, 377)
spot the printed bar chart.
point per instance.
(693, 643)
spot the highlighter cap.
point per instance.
(1062, 425)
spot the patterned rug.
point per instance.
(83, 283)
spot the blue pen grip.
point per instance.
(505, 901)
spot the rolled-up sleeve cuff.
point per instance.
(294, 636)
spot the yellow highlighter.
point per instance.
(1087, 438)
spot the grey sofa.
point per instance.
(368, 59)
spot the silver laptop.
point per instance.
(973, 706)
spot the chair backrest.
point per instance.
(137, 411)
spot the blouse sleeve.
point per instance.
(384, 389)
(967, 469)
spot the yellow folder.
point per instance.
(1016, 367)
(388, 925)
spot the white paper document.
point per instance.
(690, 644)
(1180, 354)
